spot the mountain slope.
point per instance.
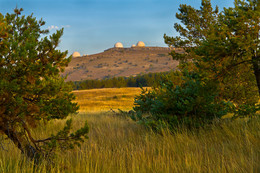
(117, 62)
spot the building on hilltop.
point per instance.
(140, 44)
(118, 45)
(76, 54)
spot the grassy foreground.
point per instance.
(117, 144)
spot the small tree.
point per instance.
(193, 102)
(31, 89)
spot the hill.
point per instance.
(117, 62)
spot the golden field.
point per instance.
(117, 144)
(96, 100)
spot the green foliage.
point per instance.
(224, 46)
(3, 26)
(142, 80)
(222, 54)
(245, 110)
(196, 24)
(31, 89)
(192, 103)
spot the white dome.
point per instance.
(119, 45)
(75, 54)
(133, 45)
(140, 44)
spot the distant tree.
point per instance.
(224, 45)
(144, 80)
(131, 82)
(31, 89)
(107, 83)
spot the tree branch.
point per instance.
(29, 135)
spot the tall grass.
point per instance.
(117, 144)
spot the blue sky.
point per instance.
(91, 26)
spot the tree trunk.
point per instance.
(256, 67)
(23, 143)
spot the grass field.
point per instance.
(117, 144)
(96, 100)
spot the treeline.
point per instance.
(143, 80)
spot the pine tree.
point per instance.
(222, 45)
(31, 89)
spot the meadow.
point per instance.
(96, 100)
(117, 144)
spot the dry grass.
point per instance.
(106, 99)
(117, 144)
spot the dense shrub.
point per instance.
(194, 102)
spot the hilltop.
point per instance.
(117, 62)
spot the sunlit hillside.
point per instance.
(117, 62)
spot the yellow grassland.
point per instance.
(94, 100)
(119, 145)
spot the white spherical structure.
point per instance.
(133, 45)
(118, 45)
(76, 54)
(140, 44)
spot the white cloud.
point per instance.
(65, 26)
(53, 27)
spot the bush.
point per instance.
(192, 103)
